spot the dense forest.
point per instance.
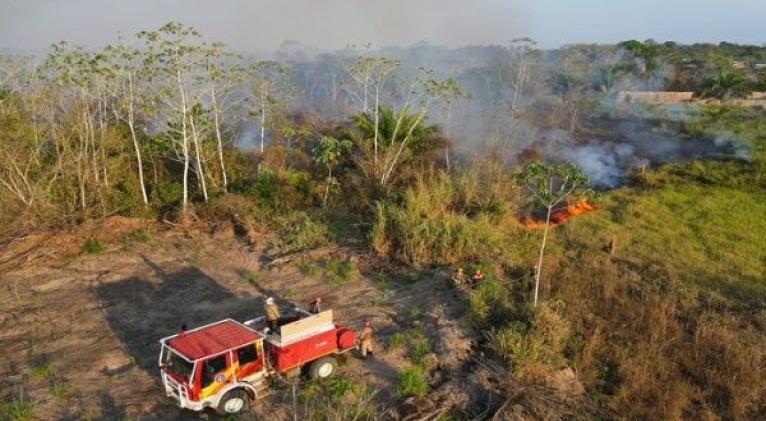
(434, 158)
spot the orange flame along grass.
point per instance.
(559, 216)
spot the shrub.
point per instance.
(338, 399)
(140, 236)
(397, 340)
(278, 189)
(300, 232)
(529, 346)
(168, 193)
(491, 304)
(62, 391)
(41, 368)
(309, 268)
(516, 343)
(253, 278)
(382, 282)
(419, 348)
(444, 220)
(379, 302)
(412, 382)
(340, 272)
(91, 246)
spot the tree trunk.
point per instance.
(573, 122)
(184, 144)
(415, 124)
(540, 259)
(102, 131)
(220, 142)
(366, 85)
(449, 121)
(200, 171)
(263, 123)
(264, 94)
(327, 187)
(136, 148)
(377, 124)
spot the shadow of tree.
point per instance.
(140, 312)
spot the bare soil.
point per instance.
(94, 320)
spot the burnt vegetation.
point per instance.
(651, 307)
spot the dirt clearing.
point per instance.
(79, 331)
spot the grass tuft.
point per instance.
(253, 278)
(41, 368)
(413, 381)
(91, 246)
(62, 391)
(397, 340)
(340, 272)
(16, 409)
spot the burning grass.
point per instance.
(561, 215)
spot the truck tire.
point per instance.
(233, 402)
(323, 368)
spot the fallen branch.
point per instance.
(501, 409)
(172, 224)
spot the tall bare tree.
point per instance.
(173, 57)
(269, 92)
(125, 72)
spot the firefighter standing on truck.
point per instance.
(316, 306)
(365, 339)
(272, 314)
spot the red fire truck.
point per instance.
(225, 364)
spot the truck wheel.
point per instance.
(233, 402)
(323, 368)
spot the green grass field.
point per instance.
(705, 236)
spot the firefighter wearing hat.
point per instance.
(366, 339)
(272, 313)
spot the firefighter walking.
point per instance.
(366, 339)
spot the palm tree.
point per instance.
(423, 145)
(424, 138)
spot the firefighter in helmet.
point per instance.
(366, 339)
(478, 277)
(272, 313)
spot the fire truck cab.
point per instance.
(224, 365)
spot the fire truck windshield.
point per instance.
(178, 365)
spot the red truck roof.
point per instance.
(213, 339)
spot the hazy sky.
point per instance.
(259, 25)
